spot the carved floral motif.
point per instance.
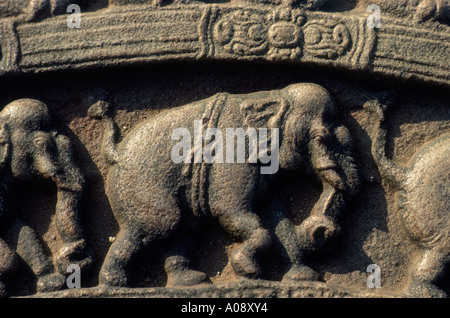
(282, 34)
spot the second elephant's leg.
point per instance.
(286, 237)
(123, 251)
(247, 227)
(177, 258)
(177, 267)
(30, 249)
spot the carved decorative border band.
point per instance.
(9, 47)
(222, 32)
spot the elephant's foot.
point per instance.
(178, 273)
(113, 272)
(113, 276)
(74, 253)
(244, 263)
(50, 282)
(187, 277)
(300, 273)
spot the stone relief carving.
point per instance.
(163, 207)
(280, 35)
(291, 33)
(37, 9)
(423, 205)
(31, 149)
(313, 140)
(29, 10)
(421, 10)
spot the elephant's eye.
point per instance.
(321, 134)
(323, 138)
(39, 142)
(42, 141)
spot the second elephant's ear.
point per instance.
(5, 144)
(264, 113)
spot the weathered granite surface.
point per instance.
(360, 113)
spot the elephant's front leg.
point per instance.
(29, 248)
(285, 231)
(231, 201)
(243, 224)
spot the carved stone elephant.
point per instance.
(423, 204)
(30, 151)
(155, 199)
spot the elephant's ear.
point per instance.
(264, 113)
(5, 144)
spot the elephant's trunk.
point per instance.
(322, 226)
(101, 110)
(340, 179)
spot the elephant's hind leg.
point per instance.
(123, 250)
(177, 258)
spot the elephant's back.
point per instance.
(426, 198)
(150, 143)
(145, 172)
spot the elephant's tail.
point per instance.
(102, 110)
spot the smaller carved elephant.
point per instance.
(423, 204)
(154, 198)
(29, 152)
